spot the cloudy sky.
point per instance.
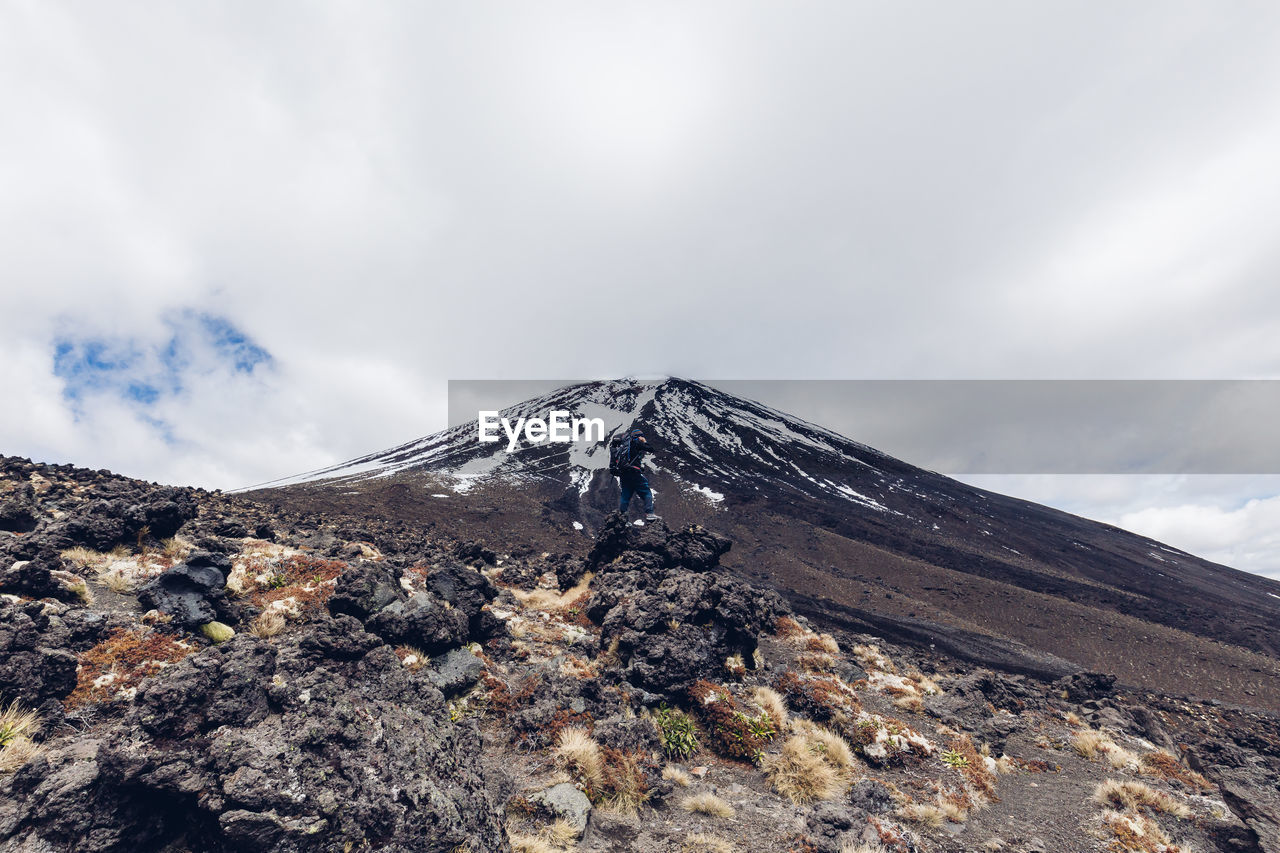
(241, 240)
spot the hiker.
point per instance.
(624, 463)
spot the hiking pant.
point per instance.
(634, 483)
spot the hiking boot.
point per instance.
(652, 517)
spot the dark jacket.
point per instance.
(637, 448)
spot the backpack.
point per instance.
(619, 454)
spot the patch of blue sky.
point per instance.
(145, 372)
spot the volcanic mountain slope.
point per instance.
(187, 672)
(853, 536)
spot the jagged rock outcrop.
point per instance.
(314, 744)
(35, 662)
(694, 549)
(192, 592)
(673, 619)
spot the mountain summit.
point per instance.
(852, 536)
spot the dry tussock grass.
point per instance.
(925, 814)
(815, 661)
(1134, 832)
(854, 846)
(708, 804)
(268, 624)
(701, 842)
(801, 773)
(774, 706)
(552, 600)
(17, 728)
(823, 643)
(1165, 765)
(671, 773)
(534, 844)
(1087, 743)
(1132, 795)
(579, 754)
(871, 658)
(832, 747)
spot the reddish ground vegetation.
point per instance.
(974, 769)
(131, 655)
(819, 698)
(307, 580)
(1165, 766)
(786, 627)
(730, 730)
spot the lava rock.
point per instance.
(1086, 686)
(191, 592)
(674, 625)
(565, 802)
(19, 514)
(455, 672)
(261, 746)
(694, 548)
(35, 578)
(364, 589)
(35, 666)
(422, 621)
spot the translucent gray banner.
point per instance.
(1004, 426)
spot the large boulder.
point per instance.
(673, 620)
(193, 593)
(694, 548)
(35, 665)
(35, 577)
(254, 746)
(423, 621)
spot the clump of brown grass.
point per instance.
(708, 804)
(18, 727)
(578, 753)
(268, 624)
(624, 790)
(1135, 832)
(855, 846)
(84, 558)
(772, 703)
(823, 643)
(1132, 795)
(910, 703)
(1165, 765)
(701, 842)
(522, 843)
(803, 773)
(561, 834)
(552, 600)
(671, 773)
(815, 661)
(787, 628)
(834, 749)
(872, 659)
(926, 814)
(1087, 743)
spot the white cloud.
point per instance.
(1229, 519)
(385, 196)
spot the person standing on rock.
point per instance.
(624, 463)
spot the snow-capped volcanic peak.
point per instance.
(710, 441)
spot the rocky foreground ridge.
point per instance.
(186, 671)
